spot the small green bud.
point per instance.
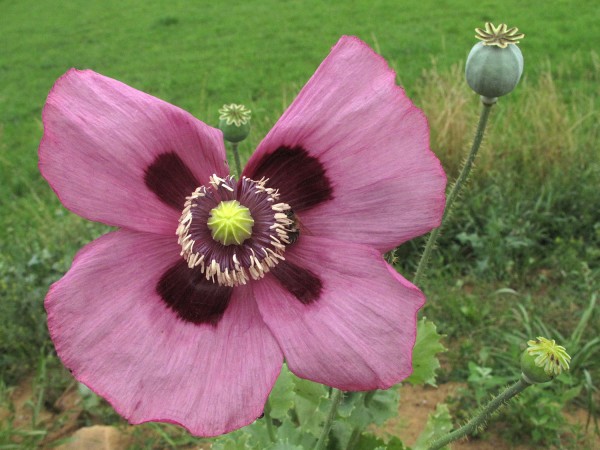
(543, 360)
(230, 223)
(533, 374)
(495, 65)
(234, 122)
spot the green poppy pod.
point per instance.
(234, 133)
(533, 373)
(234, 122)
(493, 71)
(543, 359)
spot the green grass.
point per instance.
(528, 224)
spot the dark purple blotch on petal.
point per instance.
(194, 298)
(300, 177)
(300, 282)
(170, 179)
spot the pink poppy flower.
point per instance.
(169, 324)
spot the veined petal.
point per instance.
(358, 334)
(117, 336)
(116, 155)
(378, 182)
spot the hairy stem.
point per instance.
(480, 419)
(336, 398)
(236, 156)
(456, 188)
(487, 104)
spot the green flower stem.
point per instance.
(336, 398)
(487, 104)
(480, 419)
(366, 398)
(269, 421)
(354, 437)
(236, 155)
(457, 186)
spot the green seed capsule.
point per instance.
(234, 122)
(230, 223)
(534, 373)
(493, 71)
(543, 359)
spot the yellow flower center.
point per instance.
(230, 223)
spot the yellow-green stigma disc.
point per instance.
(230, 223)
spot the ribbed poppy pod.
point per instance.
(495, 65)
(543, 360)
(234, 122)
(533, 373)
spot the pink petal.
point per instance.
(373, 144)
(114, 333)
(360, 331)
(116, 155)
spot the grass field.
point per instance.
(526, 235)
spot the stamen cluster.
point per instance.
(232, 265)
(550, 356)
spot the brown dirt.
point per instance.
(59, 423)
(417, 402)
(97, 437)
(416, 405)
(20, 398)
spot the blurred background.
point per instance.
(519, 257)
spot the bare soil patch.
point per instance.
(63, 427)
